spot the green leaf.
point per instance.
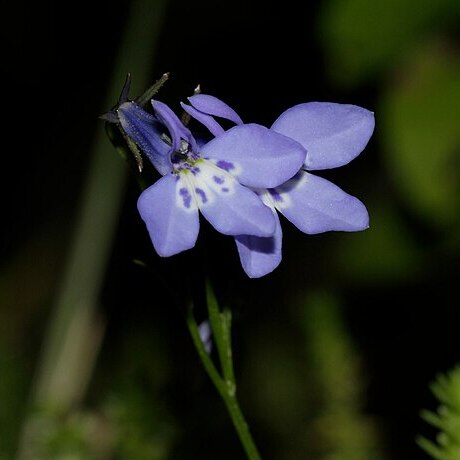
(446, 388)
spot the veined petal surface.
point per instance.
(333, 134)
(170, 214)
(315, 205)
(260, 256)
(257, 156)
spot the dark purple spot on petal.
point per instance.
(225, 165)
(186, 197)
(225, 189)
(275, 195)
(203, 196)
(218, 179)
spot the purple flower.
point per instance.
(333, 135)
(213, 178)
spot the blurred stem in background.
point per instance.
(76, 329)
(340, 430)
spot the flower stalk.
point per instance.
(225, 384)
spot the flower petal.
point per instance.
(228, 206)
(146, 131)
(333, 134)
(213, 106)
(204, 119)
(176, 128)
(260, 256)
(257, 156)
(170, 215)
(315, 205)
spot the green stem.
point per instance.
(202, 353)
(226, 391)
(220, 325)
(241, 426)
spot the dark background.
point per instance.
(334, 351)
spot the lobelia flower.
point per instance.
(333, 135)
(213, 178)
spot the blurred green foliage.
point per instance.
(446, 388)
(385, 254)
(365, 39)
(13, 391)
(421, 136)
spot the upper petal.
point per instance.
(170, 215)
(260, 256)
(213, 106)
(315, 205)
(146, 131)
(230, 208)
(205, 119)
(257, 156)
(333, 134)
(176, 128)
